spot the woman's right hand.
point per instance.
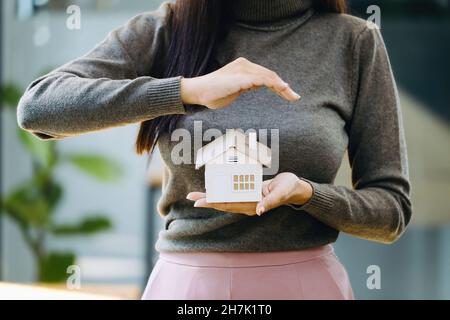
(220, 88)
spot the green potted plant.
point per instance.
(32, 205)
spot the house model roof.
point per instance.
(237, 140)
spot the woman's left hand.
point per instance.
(285, 188)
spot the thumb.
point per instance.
(265, 187)
(266, 204)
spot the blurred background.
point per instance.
(90, 201)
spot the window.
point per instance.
(233, 159)
(244, 182)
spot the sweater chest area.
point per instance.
(308, 140)
(307, 137)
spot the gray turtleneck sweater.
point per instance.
(350, 102)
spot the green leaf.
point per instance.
(10, 95)
(33, 202)
(53, 267)
(53, 193)
(12, 214)
(26, 204)
(88, 226)
(98, 167)
(42, 151)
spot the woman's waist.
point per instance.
(245, 259)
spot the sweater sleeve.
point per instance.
(108, 87)
(378, 207)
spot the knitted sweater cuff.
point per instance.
(164, 96)
(321, 201)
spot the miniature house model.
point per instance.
(234, 167)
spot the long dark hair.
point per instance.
(197, 26)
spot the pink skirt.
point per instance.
(312, 274)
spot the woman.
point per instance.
(201, 61)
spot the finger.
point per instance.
(274, 82)
(261, 76)
(245, 90)
(194, 196)
(282, 89)
(271, 80)
(260, 209)
(264, 205)
(269, 202)
(289, 94)
(265, 187)
(201, 203)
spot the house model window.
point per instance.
(244, 182)
(234, 167)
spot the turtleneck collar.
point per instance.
(260, 11)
